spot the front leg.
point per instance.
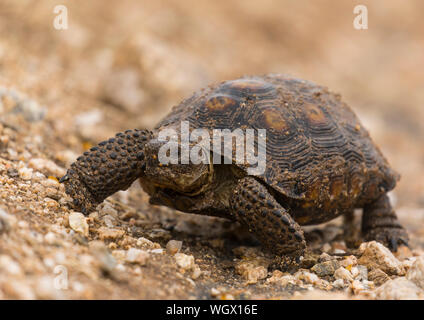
(110, 166)
(253, 206)
(380, 223)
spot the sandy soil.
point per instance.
(124, 65)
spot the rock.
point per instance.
(307, 277)
(110, 233)
(325, 257)
(109, 221)
(326, 268)
(157, 251)
(342, 273)
(283, 279)
(12, 173)
(252, 270)
(416, 272)
(358, 287)
(214, 292)
(360, 273)
(407, 263)
(339, 284)
(137, 256)
(349, 262)
(25, 173)
(378, 276)
(247, 252)
(196, 272)
(398, 289)
(107, 209)
(173, 246)
(377, 256)
(78, 222)
(159, 234)
(309, 261)
(184, 261)
(146, 243)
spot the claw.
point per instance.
(404, 242)
(64, 178)
(393, 244)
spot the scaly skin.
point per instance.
(253, 206)
(111, 166)
(380, 223)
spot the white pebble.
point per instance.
(78, 223)
(137, 256)
(25, 173)
(184, 261)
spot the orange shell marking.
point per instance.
(273, 119)
(253, 85)
(220, 103)
(314, 114)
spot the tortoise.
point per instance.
(320, 163)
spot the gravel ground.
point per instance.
(124, 65)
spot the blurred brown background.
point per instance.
(133, 60)
(124, 64)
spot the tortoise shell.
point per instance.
(318, 154)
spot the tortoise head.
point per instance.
(166, 169)
(110, 166)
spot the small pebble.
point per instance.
(78, 222)
(349, 262)
(343, 274)
(137, 256)
(378, 276)
(326, 268)
(25, 173)
(184, 261)
(110, 233)
(377, 256)
(252, 270)
(173, 246)
(107, 209)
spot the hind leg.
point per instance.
(350, 231)
(253, 206)
(380, 223)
